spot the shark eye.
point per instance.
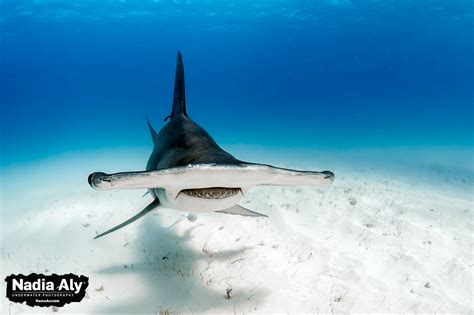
(328, 174)
(89, 179)
(95, 179)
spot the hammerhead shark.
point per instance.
(189, 171)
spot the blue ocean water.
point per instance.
(82, 75)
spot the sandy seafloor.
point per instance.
(394, 233)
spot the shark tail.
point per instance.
(179, 98)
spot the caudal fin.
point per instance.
(179, 98)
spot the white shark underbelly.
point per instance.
(200, 200)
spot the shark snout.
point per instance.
(98, 180)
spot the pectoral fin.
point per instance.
(239, 210)
(140, 214)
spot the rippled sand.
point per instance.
(381, 239)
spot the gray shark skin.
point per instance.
(188, 171)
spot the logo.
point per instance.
(46, 290)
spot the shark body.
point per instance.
(188, 171)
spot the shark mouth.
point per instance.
(212, 193)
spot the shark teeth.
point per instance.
(212, 193)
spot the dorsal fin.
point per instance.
(179, 98)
